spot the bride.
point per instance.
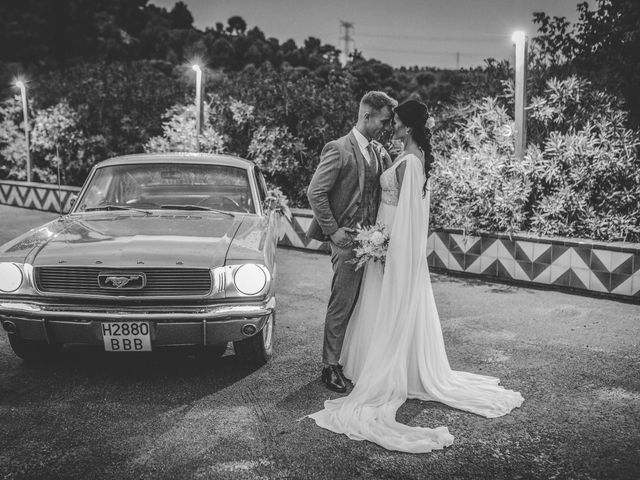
(393, 348)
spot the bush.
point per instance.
(586, 164)
(477, 182)
(54, 133)
(278, 154)
(580, 175)
(179, 133)
(13, 152)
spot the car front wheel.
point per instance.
(258, 349)
(35, 351)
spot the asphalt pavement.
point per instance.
(168, 415)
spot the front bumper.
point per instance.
(201, 325)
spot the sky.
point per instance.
(435, 33)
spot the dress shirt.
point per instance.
(363, 143)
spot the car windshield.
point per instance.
(144, 187)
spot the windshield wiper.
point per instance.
(116, 207)
(195, 207)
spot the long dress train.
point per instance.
(394, 349)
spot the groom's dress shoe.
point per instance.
(341, 370)
(333, 379)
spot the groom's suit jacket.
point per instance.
(337, 185)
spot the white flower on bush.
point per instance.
(240, 111)
(504, 131)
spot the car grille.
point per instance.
(159, 281)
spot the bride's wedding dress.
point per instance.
(393, 348)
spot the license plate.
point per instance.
(126, 336)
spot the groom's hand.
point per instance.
(343, 237)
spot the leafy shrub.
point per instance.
(295, 114)
(277, 152)
(179, 133)
(54, 133)
(13, 152)
(580, 175)
(586, 164)
(477, 182)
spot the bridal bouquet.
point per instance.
(371, 243)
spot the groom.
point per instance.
(345, 192)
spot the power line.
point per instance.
(425, 52)
(478, 38)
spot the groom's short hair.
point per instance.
(377, 100)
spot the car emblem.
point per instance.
(119, 281)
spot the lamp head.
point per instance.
(518, 37)
(196, 68)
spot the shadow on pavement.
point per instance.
(176, 374)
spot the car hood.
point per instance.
(125, 240)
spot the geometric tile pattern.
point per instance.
(37, 196)
(606, 268)
(610, 269)
(293, 233)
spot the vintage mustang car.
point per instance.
(157, 250)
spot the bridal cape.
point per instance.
(394, 349)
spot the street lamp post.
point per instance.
(198, 71)
(521, 42)
(25, 111)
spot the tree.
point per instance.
(425, 79)
(236, 25)
(181, 16)
(603, 46)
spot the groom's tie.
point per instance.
(373, 156)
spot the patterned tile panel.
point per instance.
(578, 266)
(36, 196)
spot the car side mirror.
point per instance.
(70, 203)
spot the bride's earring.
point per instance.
(407, 135)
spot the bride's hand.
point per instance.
(394, 147)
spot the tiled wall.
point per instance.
(606, 268)
(610, 269)
(37, 196)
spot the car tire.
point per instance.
(258, 349)
(211, 352)
(33, 351)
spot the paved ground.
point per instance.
(575, 359)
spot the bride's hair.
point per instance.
(414, 114)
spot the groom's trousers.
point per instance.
(345, 287)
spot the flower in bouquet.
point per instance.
(371, 243)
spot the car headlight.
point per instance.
(10, 277)
(240, 280)
(250, 279)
